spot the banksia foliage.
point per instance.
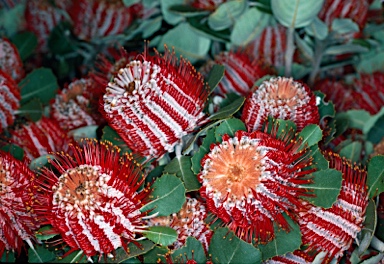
(154, 101)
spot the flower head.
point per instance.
(92, 198)
(9, 100)
(210, 5)
(10, 61)
(281, 98)
(333, 230)
(18, 219)
(249, 180)
(154, 101)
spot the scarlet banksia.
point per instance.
(280, 98)
(18, 219)
(153, 101)
(332, 230)
(251, 179)
(93, 197)
(10, 60)
(9, 100)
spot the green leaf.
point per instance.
(326, 109)
(75, 257)
(40, 162)
(41, 83)
(26, 42)
(109, 134)
(60, 40)
(129, 3)
(228, 110)
(226, 14)
(284, 127)
(225, 247)
(187, 10)
(192, 250)
(182, 167)
(84, 132)
(215, 76)
(305, 48)
(319, 161)
(200, 25)
(14, 150)
(149, 26)
(186, 42)
(370, 62)
(357, 118)
(32, 110)
(46, 232)
(167, 197)
(341, 124)
(310, 136)
(369, 226)
(40, 254)
(133, 250)
(317, 29)
(375, 179)
(11, 20)
(156, 255)
(344, 26)
(169, 16)
(352, 151)
(8, 257)
(374, 127)
(204, 148)
(344, 49)
(161, 235)
(248, 26)
(326, 186)
(296, 13)
(229, 126)
(284, 242)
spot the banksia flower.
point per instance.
(251, 179)
(154, 101)
(40, 138)
(92, 198)
(295, 257)
(77, 104)
(9, 100)
(209, 5)
(100, 18)
(281, 98)
(10, 61)
(18, 219)
(333, 230)
(241, 72)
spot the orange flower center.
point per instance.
(285, 89)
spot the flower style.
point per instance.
(241, 72)
(40, 138)
(10, 61)
(281, 98)
(154, 101)
(249, 180)
(333, 230)
(18, 219)
(77, 104)
(9, 100)
(92, 198)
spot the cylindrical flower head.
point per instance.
(154, 101)
(10, 61)
(249, 180)
(281, 98)
(92, 198)
(40, 138)
(76, 105)
(100, 18)
(241, 72)
(18, 220)
(295, 257)
(9, 100)
(333, 230)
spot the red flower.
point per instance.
(17, 216)
(333, 230)
(209, 5)
(241, 72)
(249, 180)
(92, 198)
(9, 100)
(281, 98)
(40, 138)
(10, 61)
(100, 18)
(295, 257)
(77, 104)
(154, 101)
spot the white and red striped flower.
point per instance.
(333, 230)
(10, 61)
(40, 138)
(154, 101)
(281, 98)
(18, 219)
(241, 72)
(251, 179)
(295, 257)
(9, 100)
(92, 198)
(99, 18)
(77, 104)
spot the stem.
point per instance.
(289, 52)
(319, 50)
